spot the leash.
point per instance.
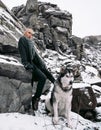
(79, 101)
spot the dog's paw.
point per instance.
(55, 120)
(49, 114)
(69, 125)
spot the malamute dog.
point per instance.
(59, 103)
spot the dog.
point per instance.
(59, 103)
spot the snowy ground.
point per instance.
(17, 121)
(41, 121)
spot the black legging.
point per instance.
(41, 75)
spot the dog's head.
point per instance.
(66, 78)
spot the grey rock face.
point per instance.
(14, 71)
(10, 31)
(53, 30)
(31, 6)
(14, 94)
(83, 99)
(48, 20)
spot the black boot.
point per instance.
(28, 110)
(35, 102)
(27, 107)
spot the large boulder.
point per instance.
(31, 6)
(12, 68)
(84, 101)
(14, 95)
(76, 43)
(10, 30)
(15, 85)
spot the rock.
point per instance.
(14, 94)
(84, 100)
(10, 31)
(57, 13)
(31, 6)
(56, 25)
(15, 85)
(11, 68)
(76, 43)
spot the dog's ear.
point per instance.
(70, 70)
(62, 69)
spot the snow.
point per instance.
(9, 60)
(18, 121)
(5, 13)
(90, 75)
(9, 20)
(80, 85)
(61, 29)
(57, 11)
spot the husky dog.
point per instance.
(59, 104)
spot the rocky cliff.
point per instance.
(52, 25)
(54, 40)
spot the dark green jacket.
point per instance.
(29, 56)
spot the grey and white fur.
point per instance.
(59, 104)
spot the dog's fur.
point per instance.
(59, 103)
